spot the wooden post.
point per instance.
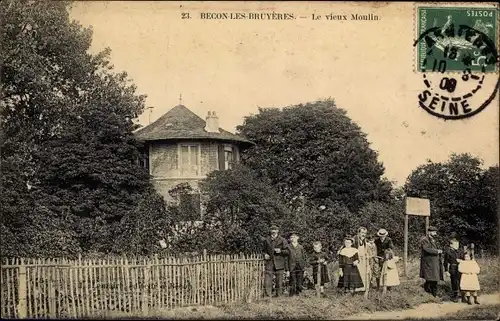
(318, 279)
(405, 251)
(367, 272)
(472, 251)
(205, 281)
(419, 207)
(52, 289)
(22, 307)
(383, 278)
(145, 296)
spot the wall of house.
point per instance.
(164, 164)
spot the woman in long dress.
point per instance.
(363, 266)
(348, 261)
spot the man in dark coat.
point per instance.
(382, 243)
(296, 264)
(431, 269)
(276, 253)
(451, 256)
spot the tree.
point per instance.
(462, 195)
(491, 193)
(328, 223)
(314, 152)
(68, 151)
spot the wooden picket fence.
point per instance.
(62, 288)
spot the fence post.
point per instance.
(318, 280)
(145, 296)
(22, 307)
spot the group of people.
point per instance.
(457, 262)
(367, 261)
(363, 261)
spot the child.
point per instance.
(319, 260)
(296, 264)
(389, 274)
(451, 257)
(348, 261)
(469, 282)
(373, 260)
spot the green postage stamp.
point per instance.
(456, 51)
(461, 36)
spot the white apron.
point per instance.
(363, 267)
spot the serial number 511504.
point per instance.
(479, 13)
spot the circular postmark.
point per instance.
(459, 70)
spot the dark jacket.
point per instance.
(297, 257)
(314, 258)
(450, 259)
(431, 268)
(278, 261)
(382, 246)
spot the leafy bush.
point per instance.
(239, 208)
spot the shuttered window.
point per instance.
(226, 157)
(189, 162)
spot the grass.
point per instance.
(336, 306)
(484, 312)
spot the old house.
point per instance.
(181, 147)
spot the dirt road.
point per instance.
(427, 310)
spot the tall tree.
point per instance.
(315, 152)
(68, 152)
(491, 193)
(462, 196)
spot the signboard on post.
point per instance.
(419, 207)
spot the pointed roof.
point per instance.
(181, 123)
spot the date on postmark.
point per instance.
(456, 55)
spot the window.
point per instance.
(228, 157)
(189, 160)
(144, 161)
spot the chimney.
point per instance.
(212, 123)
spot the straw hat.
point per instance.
(382, 232)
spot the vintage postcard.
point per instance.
(250, 160)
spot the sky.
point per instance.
(233, 67)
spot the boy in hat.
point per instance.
(383, 243)
(296, 264)
(276, 253)
(451, 256)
